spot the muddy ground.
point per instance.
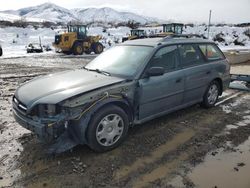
(182, 149)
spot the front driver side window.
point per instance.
(166, 57)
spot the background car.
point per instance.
(34, 48)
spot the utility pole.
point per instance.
(209, 23)
(40, 41)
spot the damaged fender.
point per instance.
(77, 127)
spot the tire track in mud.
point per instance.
(160, 172)
(155, 155)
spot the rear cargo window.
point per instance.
(211, 52)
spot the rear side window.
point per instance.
(190, 55)
(211, 52)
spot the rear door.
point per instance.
(197, 72)
(159, 94)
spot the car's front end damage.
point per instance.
(46, 121)
(63, 124)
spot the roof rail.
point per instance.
(183, 36)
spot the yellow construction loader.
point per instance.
(167, 29)
(135, 34)
(170, 29)
(76, 41)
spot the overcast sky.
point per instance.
(229, 11)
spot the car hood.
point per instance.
(55, 88)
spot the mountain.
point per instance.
(107, 15)
(9, 17)
(54, 13)
(14, 17)
(46, 11)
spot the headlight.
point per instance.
(48, 110)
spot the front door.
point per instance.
(159, 94)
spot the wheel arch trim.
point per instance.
(78, 128)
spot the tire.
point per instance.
(103, 134)
(211, 95)
(97, 47)
(1, 51)
(78, 48)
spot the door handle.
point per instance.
(178, 80)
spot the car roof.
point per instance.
(158, 41)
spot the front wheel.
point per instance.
(97, 47)
(211, 95)
(78, 48)
(107, 129)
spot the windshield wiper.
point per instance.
(98, 71)
(84, 68)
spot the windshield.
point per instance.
(78, 29)
(121, 60)
(137, 33)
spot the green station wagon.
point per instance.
(128, 84)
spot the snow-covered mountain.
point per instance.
(46, 11)
(54, 13)
(9, 17)
(107, 15)
(14, 17)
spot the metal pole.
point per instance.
(209, 23)
(40, 41)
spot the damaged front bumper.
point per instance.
(59, 133)
(46, 131)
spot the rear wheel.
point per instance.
(107, 129)
(78, 48)
(97, 47)
(211, 95)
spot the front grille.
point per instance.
(19, 105)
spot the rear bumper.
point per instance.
(44, 132)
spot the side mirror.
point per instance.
(155, 71)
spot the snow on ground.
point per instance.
(229, 34)
(14, 40)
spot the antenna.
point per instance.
(209, 23)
